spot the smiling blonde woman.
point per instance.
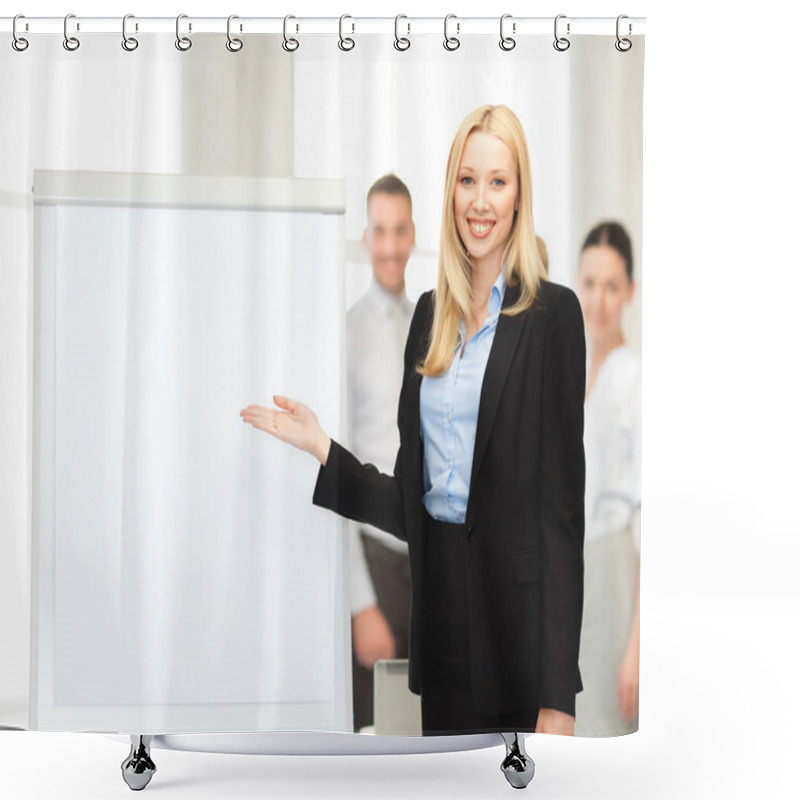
(488, 483)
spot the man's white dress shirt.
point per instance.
(377, 328)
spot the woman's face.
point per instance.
(604, 291)
(486, 196)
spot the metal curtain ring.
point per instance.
(18, 42)
(401, 42)
(345, 42)
(233, 44)
(451, 42)
(623, 45)
(289, 44)
(183, 43)
(128, 42)
(70, 42)
(506, 42)
(561, 43)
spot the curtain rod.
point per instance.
(348, 25)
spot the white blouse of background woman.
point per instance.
(612, 441)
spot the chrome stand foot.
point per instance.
(517, 766)
(138, 768)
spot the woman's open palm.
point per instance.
(291, 422)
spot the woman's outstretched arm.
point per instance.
(344, 485)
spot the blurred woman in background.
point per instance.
(609, 651)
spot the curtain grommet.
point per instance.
(19, 43)
(233, 44)
(451, 43)
(401, 43)
(346, 43)
(561, 43)
(182, 43)
(289, 44)
(129, 43)
(70, 43)
(507, 42)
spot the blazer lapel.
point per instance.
(414, 443)
(501, 355)
(412, 450)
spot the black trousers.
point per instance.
(391, 578)
(446, 681)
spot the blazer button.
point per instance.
(471, 533)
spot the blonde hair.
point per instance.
(542, 249)
(453, 296)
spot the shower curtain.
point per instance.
(183, 234)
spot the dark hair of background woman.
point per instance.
(615, 236)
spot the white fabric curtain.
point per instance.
(180, 578)
(169, 525)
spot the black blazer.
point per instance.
(524, 518)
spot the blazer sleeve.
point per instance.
(563, 480)
(360, 491)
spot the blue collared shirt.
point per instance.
(448, 406)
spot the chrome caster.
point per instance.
(138, 768)
(517, 766)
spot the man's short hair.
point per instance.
(389, 184)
